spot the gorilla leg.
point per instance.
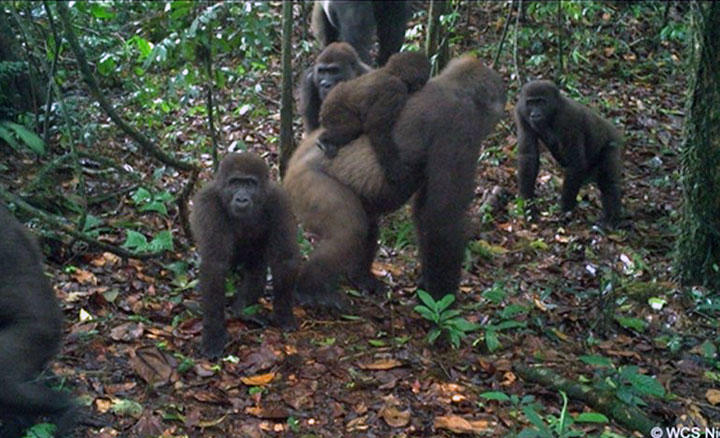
(22, 400)
(342, 224)
(357, 26)
(391, 20)
(439, 217)
(609, 176)
(362, 278)
(573, 180)
(252, 286)
(212, 281)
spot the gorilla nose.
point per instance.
(242, 202)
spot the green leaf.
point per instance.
(163, 241)
(463, 325)
(513, 310)
(427, 299)
(433, 335)
(127, 408)
(597, 361)
(100, 11)
(491, 340)
(449, 315)
(427, 313)
(508, 325)
(445, 302)
(535, 419)
(141, 195)
(631, 323)
(455, 338)
(31, 140)
(41, 430)
(143, 46)
(154, 206)
(106, 64)
(377, 342)
(6, 135)
(591, 417)
(135, 240)
(646, 385)
(495, 395)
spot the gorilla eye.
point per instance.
(243, 181)
(329, 69)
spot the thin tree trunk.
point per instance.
(287, 142)
(699, 242)
(436, 47)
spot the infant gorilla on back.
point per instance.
(370, 104)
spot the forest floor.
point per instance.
(554, 292)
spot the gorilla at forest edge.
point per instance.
(583, 143)
(355, 22)
(338, 62)
(242, 219)
(370, 104)
(438, 135)
(30, 332)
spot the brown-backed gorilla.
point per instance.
(242, 220)
(338, 62)
(356, 22)
(370, 104)
(30, 332)
(438, 134)
(583, 143)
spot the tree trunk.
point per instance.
(436, 42)
(699, 243)
(287, 142)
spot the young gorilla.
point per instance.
(30, 331)
(336, 63)
(438, 134)
(371, 104)
(583, 143)
(242, 219)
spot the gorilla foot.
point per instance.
(366, 282)
(328, 148)
(213, 346)
(285, 320)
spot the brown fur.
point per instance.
(262, 233)
(583, 143)
(438, 133)
(30, 333)
(336, 63)
(370, 104)
(356, 22)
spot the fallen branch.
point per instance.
(69, 229)
(629, 417)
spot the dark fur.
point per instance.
(355, 22)
(338, 62)
(370, 104)
(30, 333)
(438, 133)
(264, 233)
(583, 143)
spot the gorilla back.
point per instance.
(30, 331)
(438, 135)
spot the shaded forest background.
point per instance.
(556, 306)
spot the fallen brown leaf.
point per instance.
(382, 364)
(152, 365)
(458, 424)
(258, 380)
(713, 396)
